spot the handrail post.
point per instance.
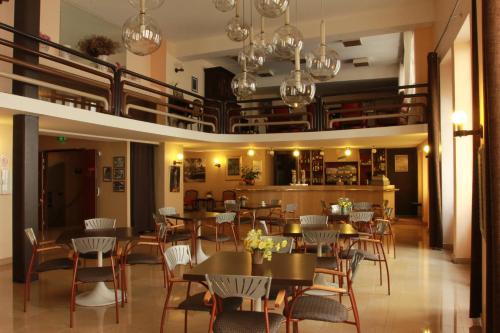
(117, 91)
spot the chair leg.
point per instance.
(164, 313)
(234, 237)
(387, 272)
(117, 305)
(185, 321)
(393, 239)
(27, 283)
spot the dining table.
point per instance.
(100, 295)
(196, 219)
(344, 230)
(253, 207)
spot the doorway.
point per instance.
(402, 170)
(68, 188)
(284, 163)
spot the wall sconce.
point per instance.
(459, 118)
(217, 163)
(271, 152)
(347, 152)
(251, 152)
(180, 158)
(178, 67)
(427, 150)
(296, 153)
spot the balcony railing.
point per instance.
(98, 86)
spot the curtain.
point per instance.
(142, 196)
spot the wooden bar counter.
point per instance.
(308, 198)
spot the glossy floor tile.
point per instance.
(428, 294)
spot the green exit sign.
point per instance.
(61, 139)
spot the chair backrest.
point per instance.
(381, 226)
(335, 209)
(177, 255)
(31, 236)
(278, 240)
(250, 287)
(360, 216)
(191, 195)
(362, 205)
(313, 219)
(228, 195)
(94, 244)
(100, 223)
(167, 211)
(320, 236)
(388, 212)
(291, 208)
(357, 257)
(275, 201)
(231, 206)
(225, 217)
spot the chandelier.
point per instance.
(244, 84)
(236, 29)
(224, 5)
(271, 8)
(140, 33)
(298, 89)
(287, 39)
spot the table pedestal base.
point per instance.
(101, 295)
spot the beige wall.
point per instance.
(191, 68)
(7, 17)
(6, 199)
(424, 43)
(109, 203)
(166, 154)
(423, 186)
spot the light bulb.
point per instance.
(244, 85)
(323, 63)
(253, 56)
(271, 152)
(141, 35)
(459, 117)
(427, 149)
(224, 5)
(148, 4)
(285, 40)
(271, 8)
(262, 45)
(348, 152)
(251, 152)
(180, 156)
(236, 30)
(296, 153)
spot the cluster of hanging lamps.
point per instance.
(261, 42)
(236, 29)
(298, 89)
(251, 56)
(271, 8)
(287, 39)
(323, 63)
(224, 5)
(141, 34)
(244, 84)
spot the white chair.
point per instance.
(221, 220)
(100, 223)
(362, 206)
(313, 219)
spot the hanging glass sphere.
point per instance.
(263, 46)
(271, 8)
(323, 66)
(244, 85)
(297, 89)
(236, 30)
(285, 40)
(141, 35)
(148, 4)
(224, 5)
(253, 56)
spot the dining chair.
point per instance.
(83, 275)
(279, 217)
(190, 200)
(383, 231)
(226, 195)
(219, 237)
(100, 223)
(362, 220)
(254, 288)
(313, 219)
(362, 206)
(180, 255)
(320, 239)
(36, 266)
(172, 232)
(324, 308)
(242, 216)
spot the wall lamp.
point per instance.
(348, 152)
(180, 158)
(251, 152)
(296, 153)
(217, 163)
(459, 119)
(427, 150)
(178, 67)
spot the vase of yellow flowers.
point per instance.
(345, 206)
(260, 246)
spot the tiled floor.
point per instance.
(429, 294)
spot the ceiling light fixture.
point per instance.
(251, 152)
(260, 40)
(244, 84)
(296, 153)
(140, 33)
(323, 63)
(287, 39)
(224, 5)
(271, 8)
(253, 56)
(298, 89)
(236, 29)
(148, 4)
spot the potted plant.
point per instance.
(98, 46)
(248, 175)
(261, 246)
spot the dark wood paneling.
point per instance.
(24, 191)
(406, 182)
(218, 83)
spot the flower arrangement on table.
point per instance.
(248, 175)
(345, 205)
(261, 246)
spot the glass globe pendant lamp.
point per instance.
(148, 4)
(323, 63)
(244, 84)
(298, 89)
(237, 30)
(271, 8)
(224, 5)
(260, 41)
(253, 57)
(141, 34)
(286, 39)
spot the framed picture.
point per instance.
(194, 84)
(175, 178)
(233, 167)
(118, 186)
(118, 173)
(400, 163)
(119, 162)
(107, 174)
(194, 170)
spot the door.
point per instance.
(284, 163)
(402, 171)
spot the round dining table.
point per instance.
(100, 295)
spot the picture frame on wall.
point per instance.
(195, 170)
(118, 186)
(119, 162)
(118, 173)
(107, 174)
(233, 167)
(400, 163)
(175, 178)
(194, 84)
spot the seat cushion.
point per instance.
(246, 322)
(53, 264)
(348, 254)
(326, 262)
(319, 308)
(95, 274)
(136, 258)
(195, 303)
(221, 237)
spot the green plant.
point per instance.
(256, 242)
(95, 46)
(249, 173)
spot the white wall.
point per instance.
(6, 199)
(191, 68)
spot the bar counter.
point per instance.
(308, 198)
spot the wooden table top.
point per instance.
(258, 205)
(121, 234)
(295, 229)
(295, 269)
(194, 216)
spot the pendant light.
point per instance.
(286, 39)
(141, 34)
(224, 5)
(244, 84)
(323, 63)
(260, 40)
(271, 8)
(236, 29)
(298, 89)
(253, 56)
(148, 4)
